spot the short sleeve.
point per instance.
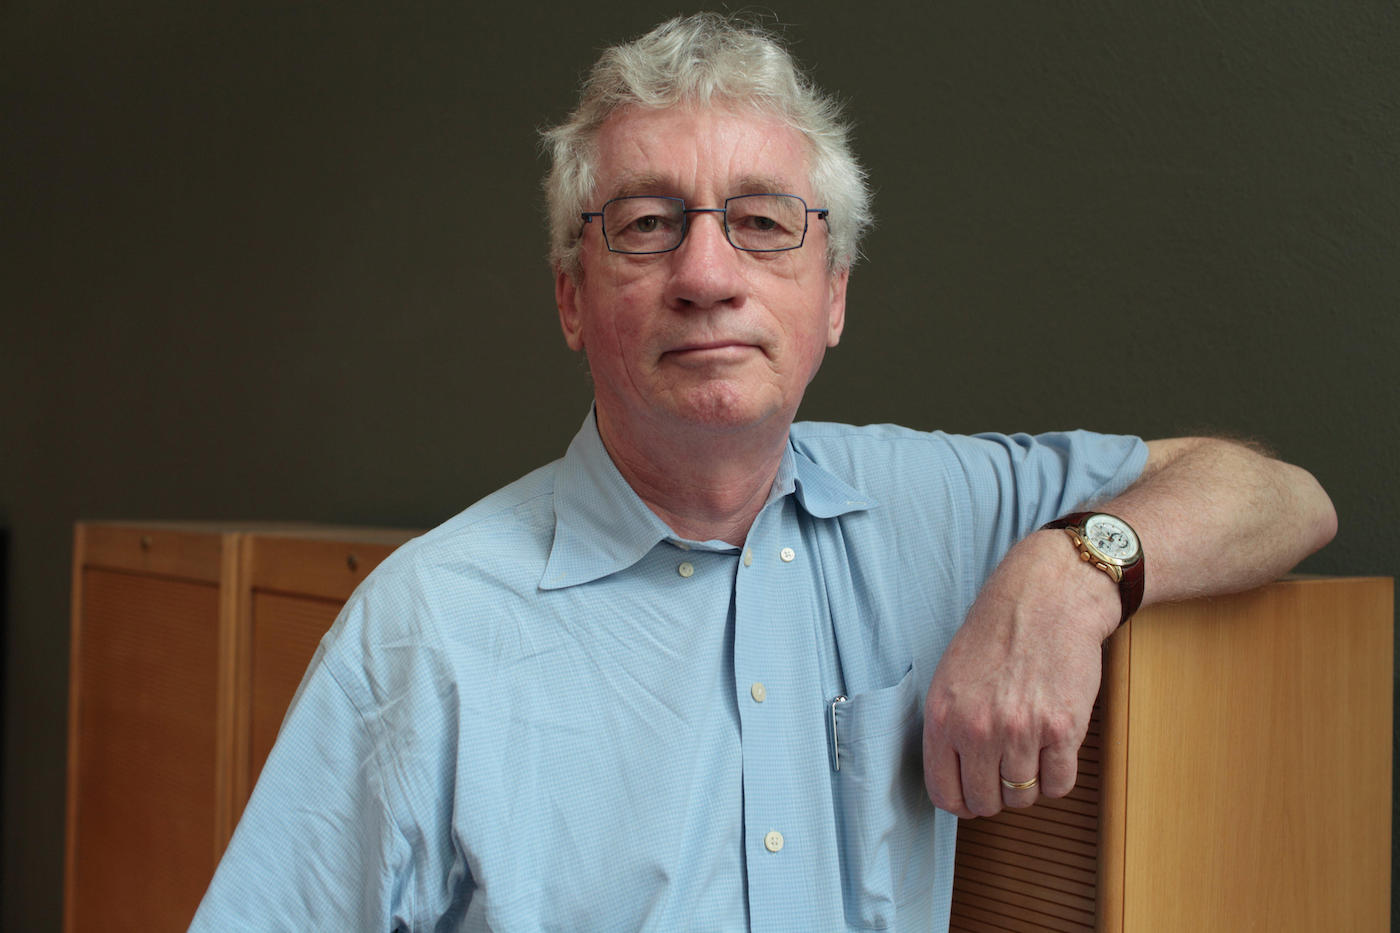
(317, 847)
(1018, 482)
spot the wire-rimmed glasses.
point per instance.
(754, 223)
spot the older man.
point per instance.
(714, 669)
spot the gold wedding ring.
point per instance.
(1020, 785)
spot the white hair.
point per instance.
(705, 59)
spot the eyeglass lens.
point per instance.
(756, 222)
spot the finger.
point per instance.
(1059, 768)
(981, 784)
(1023, 771)
(942, 777)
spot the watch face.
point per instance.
(1112, 538)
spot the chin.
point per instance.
(724, 408)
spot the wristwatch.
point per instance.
(1108, 543)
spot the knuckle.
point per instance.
(1018, 723)
(976, 730)
(1060, 729)
(959, 728)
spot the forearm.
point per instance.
(1217, 517)
(1010, 699)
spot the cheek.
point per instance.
(616, 333)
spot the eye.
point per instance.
(766, 221)
(648, 224)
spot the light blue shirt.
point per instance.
(551, 714)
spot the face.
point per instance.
(706, 337)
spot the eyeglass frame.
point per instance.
(821, 212)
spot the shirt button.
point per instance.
(773, 842)
(787, 554)
(686, 568)
(758, 692)
(748, 557)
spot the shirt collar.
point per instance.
(602, 526)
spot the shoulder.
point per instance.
(897, 447)
(874, 456)
(830, 444)
(972, 474)
(513, 522)
(491, 554)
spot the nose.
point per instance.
(706, 270)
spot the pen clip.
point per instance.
(835, 744)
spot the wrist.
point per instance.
(1087, 593)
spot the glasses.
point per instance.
(754, 223)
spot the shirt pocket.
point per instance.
(886, 820)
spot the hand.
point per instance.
(1012, 694)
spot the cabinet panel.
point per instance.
(163, 550)
(325, 562)
(143, 795)
(285, 633)
(1259, 764)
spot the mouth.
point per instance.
(713, 351)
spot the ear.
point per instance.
(836, 306)
(570, 316)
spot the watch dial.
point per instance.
(1111, 537)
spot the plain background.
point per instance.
(285, 260)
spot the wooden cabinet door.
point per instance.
(144, 750)
(286, 628)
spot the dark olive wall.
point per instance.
(283, 260)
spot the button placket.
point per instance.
(772, 641)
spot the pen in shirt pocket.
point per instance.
(835, 743)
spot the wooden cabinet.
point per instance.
(1237, 776)
(188, 641)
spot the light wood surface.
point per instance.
(161, 550)
(1259, 774)
(324, 565)
(142, 795)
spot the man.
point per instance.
(714, 669)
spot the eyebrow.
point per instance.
(641, 184)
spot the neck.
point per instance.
(705, 485)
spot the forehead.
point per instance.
(699, 152)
